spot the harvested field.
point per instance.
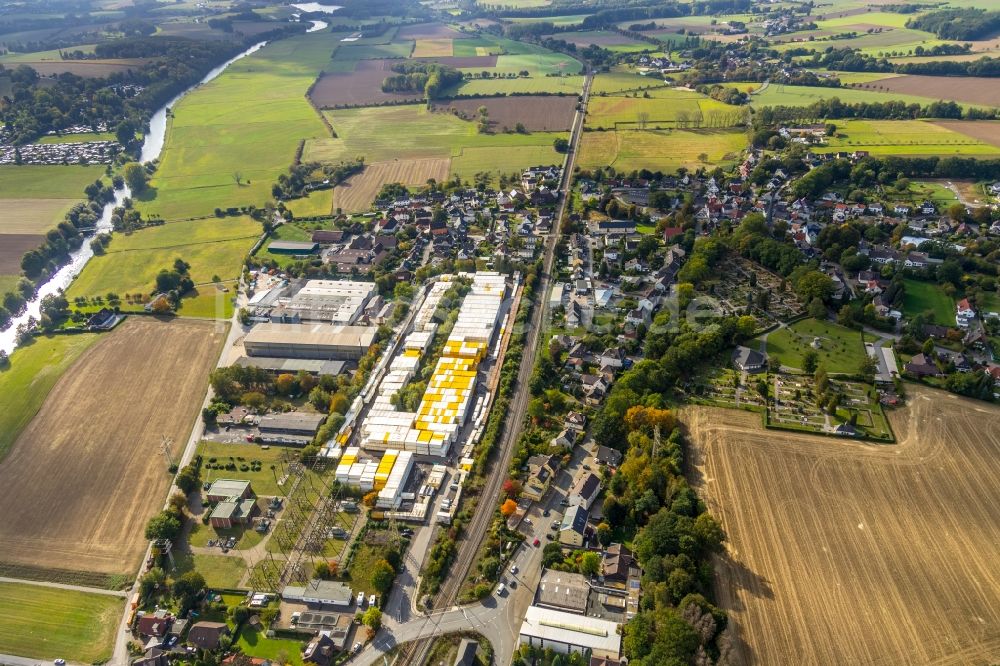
(362, 87)
(357, 193)
(553, 113)
(13, 247)
(987, 131)
(846, 553)
(429, 31)
(86, 474)
(433, 48)
(467, 62)
(968, 89)
(84, 68)
(32, 216)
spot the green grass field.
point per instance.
(567, 85)
(33, 371)
(904, 137)
(255, 643)
(841, 349)
(411, 131)
(220, 571)
(209, 301)
(46, 182)
(319, 202)
(664, 105)
(78, 138)
(561, 21)
(782, 95)
(621, 79)
(928, 297)
(46, 623)
(213, 247)
(249, 120)
(8, 283)
(665, 150)
(264, 482)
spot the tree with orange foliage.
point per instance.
(369, 499)
(641, 417)
(508, 508)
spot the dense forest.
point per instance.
(960, 24)
(419, 77)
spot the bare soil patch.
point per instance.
(842, 552)
(551, 113)
(429, 31)
(968, 89)
(987, 131)
(13, 247)
(362, 87)
(357, 193)
(87, 473)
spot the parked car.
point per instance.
(356, 649)
(513, 568)
(501, 588)
(536, 542)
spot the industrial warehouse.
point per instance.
(309, 341)
(451, 411)
(442, 412)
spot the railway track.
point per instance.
(416, 653)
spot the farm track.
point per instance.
(476, 530)
(86, 474)
(842, 552)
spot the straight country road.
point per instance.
(64, 586)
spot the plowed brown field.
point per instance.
(846, 553)
(969, 89)
(87, 473)
(356, 194)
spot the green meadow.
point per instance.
(663, 105)
(214, 248)
(47, 623)
(46, 182)
(566, 85)
(841, 349)
(928, 298)
(661, 150)
(249, 120)
(33, 371)
(411, 131)
(782, 95)
(904, 137)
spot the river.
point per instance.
(152, 146)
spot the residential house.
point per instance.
(617, 564)
(573, 528)
(565, 439)
(922, 366)
(320, 650)
(575, 421)
(585, 490)
(206, 635)
(964, 314)
(541, 471)
(605, 455)
(155, 625)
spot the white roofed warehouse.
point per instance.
(568, 632)
(315, 341)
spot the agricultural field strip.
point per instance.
(91, 513)
(842, 511)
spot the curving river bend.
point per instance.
(152, 146)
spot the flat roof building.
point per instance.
(320, 593)
(567, 632)
(292, 247)
(563, 590)
(313, 341)
(295, 423)
(291, 366)
(224, 489)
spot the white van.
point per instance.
(501, 589)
